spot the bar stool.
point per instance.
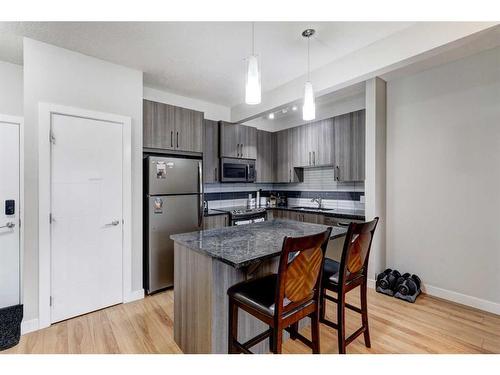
(345, 276)
(281, 300)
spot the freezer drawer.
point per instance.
(167, 215)
(168, 175)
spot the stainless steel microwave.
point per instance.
(237, 170)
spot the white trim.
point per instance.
(28, 326)
(463, 299)
(45, 112)
(134, 296)
(19, 121)
(370, 283)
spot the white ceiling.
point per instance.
(203, 60)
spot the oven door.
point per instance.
(234, 170)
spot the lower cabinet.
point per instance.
(298, 216)
(215, 221)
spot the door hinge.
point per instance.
(51, 300)
(52, 138)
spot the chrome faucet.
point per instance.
(318, 200)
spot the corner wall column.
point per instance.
(375, 183)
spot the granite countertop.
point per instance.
(240, 246)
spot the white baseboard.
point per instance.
(134, 296)
(371, 284)
(464, 299)
(28, 326)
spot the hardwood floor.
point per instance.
(430, 325)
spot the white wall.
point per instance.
(59, 76)
(11, 89)
(443, 178)
(212, 111)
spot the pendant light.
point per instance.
(309, 107)
(252, 86)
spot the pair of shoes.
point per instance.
(392, 283)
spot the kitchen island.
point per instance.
(207, 263)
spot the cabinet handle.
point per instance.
(314, 157)
(237, 150)
(171, 138)
(215, 174)
(309, 157)
(177, 139)
(241, 150)
(290, 178)
(338, 172)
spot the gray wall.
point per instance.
(11, 89)
(59, 76)
(443, 178)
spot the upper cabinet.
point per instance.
(237, 141)
(210, 151)
(350, 146)
(313, 144)
(264, 164)
(169, 127)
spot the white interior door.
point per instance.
(9, 215)
(86, 208)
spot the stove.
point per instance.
(242, 215)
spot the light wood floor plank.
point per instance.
(431, 325)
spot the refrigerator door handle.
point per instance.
(200, 195)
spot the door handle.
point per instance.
(9, 225)
(114, 223)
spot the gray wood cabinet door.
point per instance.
(350, 146)
(325, 141)
(158, 125)
(282, 173)
(188, 130)
(217, 221)
(147, 123)
(265, 157)
(248, 142)
(210, 152)
(229, 140)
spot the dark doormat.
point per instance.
(10, 326)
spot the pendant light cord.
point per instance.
(253, 38)
(308, 59)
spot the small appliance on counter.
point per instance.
(282, 200)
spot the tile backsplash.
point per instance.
(318, 182)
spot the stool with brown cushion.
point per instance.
(343, 277)
(281, 300)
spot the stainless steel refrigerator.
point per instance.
(173, 204)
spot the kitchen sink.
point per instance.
(311, 208)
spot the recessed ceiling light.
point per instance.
(270, 116)
(294, 108)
